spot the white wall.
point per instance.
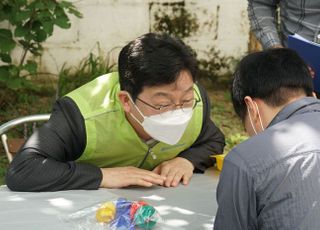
(112, 23)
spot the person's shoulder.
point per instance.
(238, 155)
(252, 153)
(98, 83)
(106, 79)
(112, 76)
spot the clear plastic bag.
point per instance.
(117, 214)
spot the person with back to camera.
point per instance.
(271, 180)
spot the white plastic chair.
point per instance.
(4, 128)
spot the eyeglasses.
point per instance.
(188, 104)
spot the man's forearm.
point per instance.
(47, 161)
(31, 172)
(262, 16)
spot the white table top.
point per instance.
(184, 207)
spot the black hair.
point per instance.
(153, 59)
(274, 75)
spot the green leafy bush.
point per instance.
(176, 20)
(216, 68)
(89, 68)
(30, 22)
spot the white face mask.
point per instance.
(167, 127)
(259, 119)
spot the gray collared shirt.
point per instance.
(272, 180)
(296, 16)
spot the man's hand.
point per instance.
(125, 176)
(312, 73)
(277, 46)
(175, 170)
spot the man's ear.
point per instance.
(251, 107)
(125, 101)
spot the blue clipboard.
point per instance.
(310, 53)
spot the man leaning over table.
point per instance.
(149, 124)
(272, 180)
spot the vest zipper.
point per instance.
(148, 153)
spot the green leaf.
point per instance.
(48, 27)
(14, 71)
(14, 84)
(10, 11)
(65, 4)
(36, 25)
(6, 42)
(31, 67)
(75, 12)
(7, 9)
(21, 31)
(23, 15)
(41, 36)
(44, 15)
(62, 22)
(40, 5)
(4, 73)
(5, 57)
(21, 2)
(3, 79)
(51, 4)
(2, 16)
(58, 12)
